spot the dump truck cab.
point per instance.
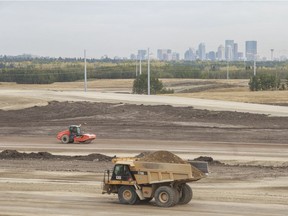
(135, 180)
(121, 172)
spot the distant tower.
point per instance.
(272, 50)
(251, 50)
(229, 49)
(201, 51)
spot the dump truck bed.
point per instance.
(153, 172)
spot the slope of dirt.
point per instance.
(162, 157)
(15, 155)
(98, 163)
(126, 121)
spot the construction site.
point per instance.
(246, 153)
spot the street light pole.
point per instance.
(140, 67)
(227, 72)
(254, 61)
(148, 78)
(254, 66)
(85, 72)
(136, 68)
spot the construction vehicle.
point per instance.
(140, 181)
(74, 134)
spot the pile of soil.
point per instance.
(128, 121)
(162, 157)
(207, 159)
(15, 155)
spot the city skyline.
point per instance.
(122, 27)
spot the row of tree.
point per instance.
(57, 71)
(264, 82)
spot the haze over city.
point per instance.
(120, 28)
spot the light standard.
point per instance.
(85, 72)
(254, 61)
(148, 72)
(227, 72)
(254, 66)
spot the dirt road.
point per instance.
(40, 97)
(49, 187)
(74, 188)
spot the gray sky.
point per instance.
(120, 28)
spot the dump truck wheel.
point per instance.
(65, 139)
(186, 194)
(127, 195)
(177, 196)
(165, 196)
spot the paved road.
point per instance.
(217, 105)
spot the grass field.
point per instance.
(235, 90)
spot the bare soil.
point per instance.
(127, 121)
(42, 183)
(162, 157)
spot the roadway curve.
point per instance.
(217, 105)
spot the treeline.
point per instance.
(48, 71)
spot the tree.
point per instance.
(264, 82)
(140, 85)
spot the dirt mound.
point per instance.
(210, 160)
(15, 155)
(143, 154)
(93, 157)
(162, 157)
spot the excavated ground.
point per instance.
(36, 182)
(124, 121)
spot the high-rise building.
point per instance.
(229, 46)
(164, 54)
(228, 53)
(235, 52)
(221, 53)
(141, 54)
(159, 54)
(211, 56)
(133, 57)
(251, 50)
(190, 55)
(202, 51)
(175, 56)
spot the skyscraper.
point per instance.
(190, 55)
(164, 54)
(235, 52)
(221, 53)
(211, 56)
(251, 50)
(229, 47)
(228, 53)
(202, 51)
(141, 54)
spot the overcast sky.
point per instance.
(119, 28)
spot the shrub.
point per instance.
(140, 86)
(264, 82)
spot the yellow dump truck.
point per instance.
(141, 181)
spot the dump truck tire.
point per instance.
(186, 194)
(65, 139)
(165, 196)
(177, 196)
(127, 195)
